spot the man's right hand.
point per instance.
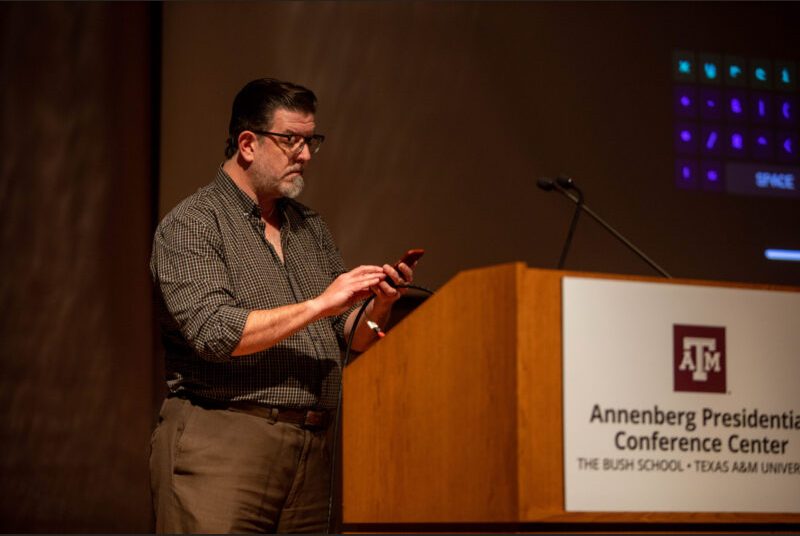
(267, 327)
(348, 289)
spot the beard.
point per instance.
(267, 185)
(293, 188)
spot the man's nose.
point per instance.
(304, 155)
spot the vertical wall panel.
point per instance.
(75, 331)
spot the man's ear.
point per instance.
(246, 141)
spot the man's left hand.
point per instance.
(385, 294)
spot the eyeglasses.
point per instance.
(295, 142)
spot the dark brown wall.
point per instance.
(76, 194)
(441, 116)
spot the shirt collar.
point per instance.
(224, 183)
(233, 194)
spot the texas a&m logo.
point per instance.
(699, 358)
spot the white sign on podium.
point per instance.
(680, 398)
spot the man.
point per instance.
(255, 306)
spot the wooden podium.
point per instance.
(456, 416)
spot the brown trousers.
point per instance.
(222, 471)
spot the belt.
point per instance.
(306, 418)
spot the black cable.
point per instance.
(578, 209)
(337, 417)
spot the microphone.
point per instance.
(545, 184)
(563, 184)
(567, 183)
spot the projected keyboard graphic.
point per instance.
(736, 124)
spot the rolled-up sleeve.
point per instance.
(189, 271)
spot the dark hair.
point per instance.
(255, 105)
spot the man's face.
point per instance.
(277, 169)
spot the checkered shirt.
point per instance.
(211, 265)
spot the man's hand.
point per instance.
(385, 294)
(379, 309)
(348, 289)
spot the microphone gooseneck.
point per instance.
(563, 184)
(566, 183)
